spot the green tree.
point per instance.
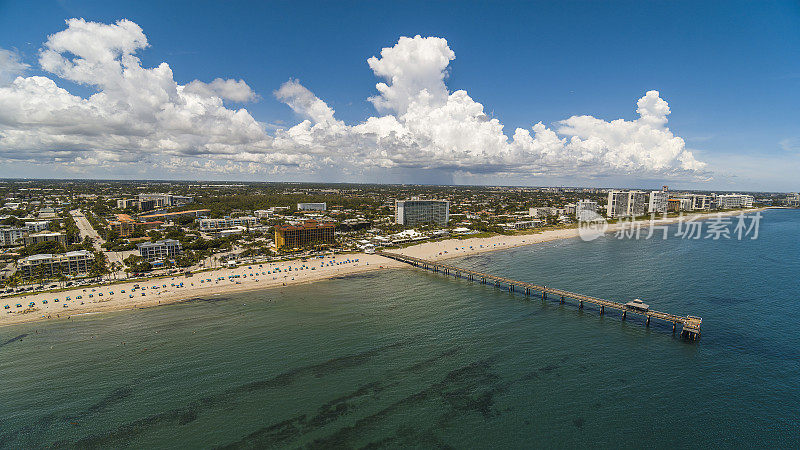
(42, 247)
(99, 266)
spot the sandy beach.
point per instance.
(452, 248)
(165, 290)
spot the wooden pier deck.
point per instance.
(690, 325)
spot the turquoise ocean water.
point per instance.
(407, 358)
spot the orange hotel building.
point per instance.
(125, 225)
(309, 233)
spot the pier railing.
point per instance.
(690, 325)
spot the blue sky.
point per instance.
(730, 71)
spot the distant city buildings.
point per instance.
(49, 265)
(586, 210)
(149, 202)
(309, 233)
(415, 212)
(159, 250)
(174, 215)
(793, 200)
(312, 206)
(626, 204)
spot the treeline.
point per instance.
(221, 206)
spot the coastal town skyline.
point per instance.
(399, 224)
(79, 231)
(140, 107)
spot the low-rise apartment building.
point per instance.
(12, 235)
(45, 236)
(227, 222)
(521, 225)
(312, 206)
(174, 215)
(542, 212)
(48, 265)
(37, 226)
(731, 201)
(159, 250)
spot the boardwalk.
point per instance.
(690, 325)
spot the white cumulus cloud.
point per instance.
(138, 116)
(237, 91)
(427, 127)
(10, 66)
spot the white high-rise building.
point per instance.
(658, 202)
(415, 211)
(585, 210)
(626, 204)
(699, 201)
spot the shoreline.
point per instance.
(167, 290)
(262, 276)
(454, 248)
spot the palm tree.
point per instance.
(115, 267)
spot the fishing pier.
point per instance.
(690, 325)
